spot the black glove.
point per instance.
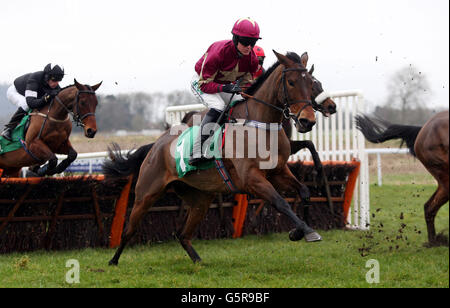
(53, 92)
(231, 88)
(47, 98)
(50, 95)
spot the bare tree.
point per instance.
(408, 89)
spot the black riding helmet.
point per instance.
(53, 72)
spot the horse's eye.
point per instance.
(291, 83)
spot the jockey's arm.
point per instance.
(209, 69)
(31, 94)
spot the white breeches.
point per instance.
(16, 98)
(217, 101)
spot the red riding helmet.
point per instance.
(259, 51)
(246, 27)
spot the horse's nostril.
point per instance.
(90, 132)
(307, 123)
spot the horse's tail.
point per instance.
(380, 131)
(118, 165)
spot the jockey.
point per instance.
(224, 63)
(32, 91)
(261, 56)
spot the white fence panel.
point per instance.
(336, 138)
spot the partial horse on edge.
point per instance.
(49, 131)
(430, 145)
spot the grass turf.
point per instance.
(395, 240)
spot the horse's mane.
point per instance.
(254, 87)
(66, 87)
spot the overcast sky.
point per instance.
(153, 46)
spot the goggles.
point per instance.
(247, 41)
(56, 78)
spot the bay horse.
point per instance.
(285, 90)
(119, 166)
(49, 131)
(429, 144)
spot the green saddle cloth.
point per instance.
(17, 135)
(184, 148)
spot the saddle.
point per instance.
(18, 136)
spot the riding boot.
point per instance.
(211, 117)
(15, 120)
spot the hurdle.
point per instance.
(337, 140)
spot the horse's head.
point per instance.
(84, 105)
(296, 90)
(322, 102)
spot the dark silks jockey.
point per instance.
(32, 91)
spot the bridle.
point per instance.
(77, 117)
(75, 112)
(287, 102)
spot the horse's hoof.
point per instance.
(437, 241)
(313, 237)
(296, 235)
(113, 262)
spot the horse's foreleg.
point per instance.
(71, 156)
(286, 181)
(66, 148)
(259, 186)
(47, 168)
(43, 153)
(307, 144)
(297, 146)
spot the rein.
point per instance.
(49, 117)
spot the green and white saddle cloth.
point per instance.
(17, 135)
(184, 148)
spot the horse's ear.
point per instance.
(283, 59)
(311, 71)
(304, 59)
(77, 84)
(97, 86)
